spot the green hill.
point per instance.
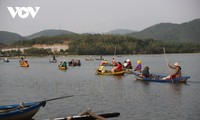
(49, 32)
(185, 32)
(8, 37)
(120, 31)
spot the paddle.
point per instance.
(57, 98)
(167, 62)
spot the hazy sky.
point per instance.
(96, 15)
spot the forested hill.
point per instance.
(9, 37)
(185, 32)
(49, 32)
(120, 31)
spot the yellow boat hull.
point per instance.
(62, 68)
(22, 64)
(108, 72)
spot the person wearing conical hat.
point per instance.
(177, 70)
(139, 66)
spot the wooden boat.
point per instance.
(159, 78)
(99, 58)
(24, 64)
(75, 63)
(87, 117)
(20, 112)
(108, 72)
(89, 59)
(7, 61)
(52, 61)
(62, 68)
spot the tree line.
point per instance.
(96, 44)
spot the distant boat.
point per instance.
(24, 64)
(89, 59)
(7, 61)
(74, 63)
(53, 61)
(24, 111)
(100, 58)
(62, 68)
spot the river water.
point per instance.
(135, 100)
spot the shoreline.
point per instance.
(94, 56)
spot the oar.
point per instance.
(167, 62)
(57, 98)
(43, 102)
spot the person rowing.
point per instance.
(64, 64)
(177, 71)
(145, 72)
(119, 67)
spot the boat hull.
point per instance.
(108, 72)
(62, 68)
(23, 64)
(89, 59)
(87, 117)
(183, 79)
(53, 61)
(25, 113)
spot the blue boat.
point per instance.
(22, 111)
(159, 78)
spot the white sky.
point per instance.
(97, 16)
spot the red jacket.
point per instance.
(119, 67)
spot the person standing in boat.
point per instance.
(177, 70)
(139, 66)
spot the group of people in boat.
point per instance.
(54, 59)
(75, 62)
(175, 74)
(23, 60)
(6, 59)
(70, 63)
(118, 66)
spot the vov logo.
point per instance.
(23, 12)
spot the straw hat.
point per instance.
(127, 60)
(139, 62)
(176, 64)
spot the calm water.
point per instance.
(133, 99)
